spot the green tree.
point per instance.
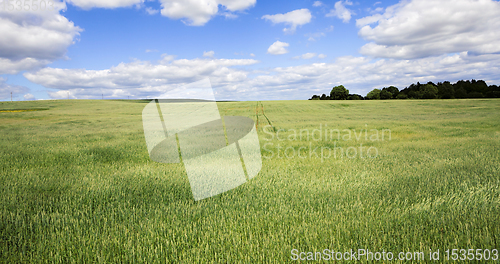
(494, 91)
(354, 97)
(460, 93)
(393, 90)
(462, 86)
(413, 95)
(373, 95)
(339, 93)
(428, 91)
(475, 95)
(446, 90)
(479, 86)
(384, 94)
(402, 96)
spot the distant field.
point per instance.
(77, 185)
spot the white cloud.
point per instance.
(29, 96)
(151, 11)
(32, 39)
(229, 15)
(361, 75)
(341, 12)
(278, 48)
(306, 56)
(314, 36)
(138, 78)
(166, 58)
(209, 54)
(293, 18)
(88, 4)
(151, 50)
(309, 55)
(142, 79)
(244, 54)
(318, 35)
(368, 20)
(71, 94)
(237, 5)
(423, 28)
(318, 3)
(199, 12)
(6, 89)
(11, 66)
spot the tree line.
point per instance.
(441, 90)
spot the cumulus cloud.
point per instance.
(314, 36)
(138, 78)
(244, 54)
(29, 96)
(423, 28)
(321, 56)
(32, 39)
(278, 48)
(72, 94)
(318, 35)
(88, 4)
(361, 75)
(209, 54)
(229, 15)
(341, 12)
(151, 11)
(6, 89)
(145, 79)
(237, 5)
(317, 3)
(166, 58)
(199, 12)
(10, 66)
(306, 56)
(293, 19)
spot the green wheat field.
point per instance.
(77, 184)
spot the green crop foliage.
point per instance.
(77, 185)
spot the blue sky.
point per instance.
(250, 50)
